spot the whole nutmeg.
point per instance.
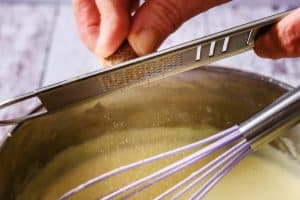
(124, 53)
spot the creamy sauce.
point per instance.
(267, 174)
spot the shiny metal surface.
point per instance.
(269, 123)
(148, 68)
(215, 96)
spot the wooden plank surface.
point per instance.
(23, 42)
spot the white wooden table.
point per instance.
(39, 44)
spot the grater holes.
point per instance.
(212, 49)
(225, 44)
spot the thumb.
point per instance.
(282, 40)
(114, 25)
(156, 19)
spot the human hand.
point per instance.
(282, 40)
(104, 24)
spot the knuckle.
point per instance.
(291, 40)
(169, 14)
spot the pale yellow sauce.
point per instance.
(267, 174)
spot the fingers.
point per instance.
(104, 24)
(88, 21)
(156, 19)
(282, 40)
(114, 25)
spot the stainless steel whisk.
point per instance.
(241, 139)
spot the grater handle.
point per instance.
(269, 123)
(148, 68)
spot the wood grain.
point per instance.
(23, 42)
(68, 57)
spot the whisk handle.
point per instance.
(268, 124)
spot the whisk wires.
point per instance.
(210, 145)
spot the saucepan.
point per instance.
(220, 97)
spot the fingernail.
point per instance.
(143, 42)
(101, 50)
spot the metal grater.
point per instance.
(145, 69)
